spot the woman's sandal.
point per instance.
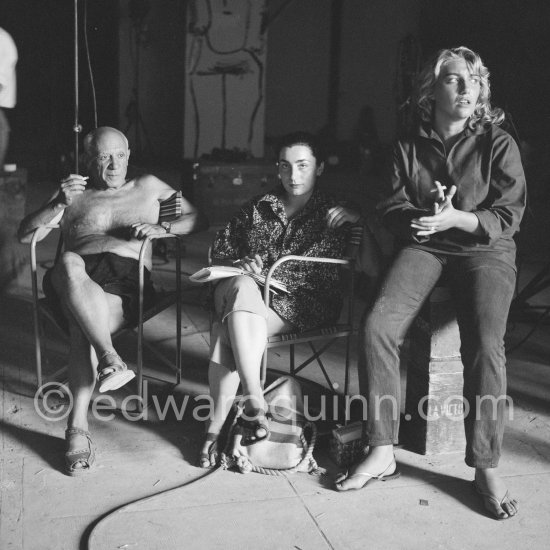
(80, 461)
(112, 372)
(210, 458)
(499, 509)
(369, 477)
(252, 427)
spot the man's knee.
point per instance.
(69, 267)
(70, 261)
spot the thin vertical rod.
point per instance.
(334, 64)
(76, 127)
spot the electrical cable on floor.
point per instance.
(124, 508)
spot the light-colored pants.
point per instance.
(239, 293)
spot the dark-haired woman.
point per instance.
(296, 218)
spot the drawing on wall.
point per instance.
(225, 67)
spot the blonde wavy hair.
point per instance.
(483, 113)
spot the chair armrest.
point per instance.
(149, 239)
(291, 257)
(355, 236)
(35, 234)
(34, 265)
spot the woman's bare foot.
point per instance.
(378, 464)
(208, 456)
(494, 494)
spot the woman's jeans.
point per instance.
(482, 287)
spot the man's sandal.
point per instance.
(112, 372)
(209, 458)
(253, 426)
(80, 461)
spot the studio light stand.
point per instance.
(521, 311)
(138, 12)
(77, 127)
(540, 282)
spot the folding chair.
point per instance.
(329, 334)
(170, 209)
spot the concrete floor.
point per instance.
(145, 491)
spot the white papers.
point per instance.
(215, 272)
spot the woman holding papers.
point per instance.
(294, 218)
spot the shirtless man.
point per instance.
(95, 281)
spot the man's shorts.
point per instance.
(114, 274)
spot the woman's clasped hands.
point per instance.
(443, 216)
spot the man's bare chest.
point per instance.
(101, 212)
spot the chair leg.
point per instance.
(160, 356)
(37, 322)
(38, 349)
(346, 380)
(178, 312)
(317, 354)
(139, 377)
(346, 372)
(263, 371)
(38, 339)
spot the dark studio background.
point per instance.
(346, 89)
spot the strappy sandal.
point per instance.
(367, 478)
(505, 508)
(112, 372)
(252, 427)
(209, 459)
(80, 461)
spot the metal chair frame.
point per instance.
(332, 333)
(41, 311)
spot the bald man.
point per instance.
(102, 219)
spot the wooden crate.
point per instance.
(433, 407)
(13, 189)
(13, 192)
(220, 189)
